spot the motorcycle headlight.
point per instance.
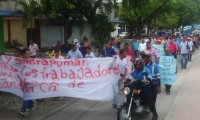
(126, 90)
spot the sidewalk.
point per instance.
(186, 105)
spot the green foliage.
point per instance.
(101, 28)
(30, 9)
(14, 43)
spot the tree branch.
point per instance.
(155, 11)
(93, 11)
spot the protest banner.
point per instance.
(42, 78)
(159, 49)
(167, 67)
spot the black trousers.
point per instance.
(175, 55)
(148, 96)
(154, 85)
(167, 88)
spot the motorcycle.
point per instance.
(134, 103)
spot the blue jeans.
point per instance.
(27, 104)
(116, 99)
(190, 56)
(184, 59)
(136, 53)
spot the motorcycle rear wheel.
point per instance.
(123, 113)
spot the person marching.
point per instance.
(167, 53)
(146, 89)
(154, 68)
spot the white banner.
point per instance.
(42, 78)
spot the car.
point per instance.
(124, 35)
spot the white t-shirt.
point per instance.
(123, 64)
(142, 46)
(33, 49)
(74, 54)
(190, 43)
(60, 57)
(91, 55)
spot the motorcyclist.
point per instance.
(154, 68)
(143, 74)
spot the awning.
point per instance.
(116, 21)
(9, 13)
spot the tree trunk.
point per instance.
(31, 36)
(139, 29)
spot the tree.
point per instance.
(87, 9)
(187, 11)
(30, 9)
(141, 12)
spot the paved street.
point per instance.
(176, 106)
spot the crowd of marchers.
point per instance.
(143, 57)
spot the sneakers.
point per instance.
(27, 109)
(22, 113)
(168, 92)
(32, 108)
(114, 105)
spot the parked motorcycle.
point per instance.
(134, 103)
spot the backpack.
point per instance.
(188, 47)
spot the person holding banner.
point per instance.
(123, 67)
(74, 53)
(143, 74)
(108, 51)
(154, 68)
(27, 104)
(167, 53)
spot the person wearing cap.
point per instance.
(191, 45)
(74, 53)
(76, 43)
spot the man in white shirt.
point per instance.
(33, 49)
(74, 53)
(142, 46)
(77, 43)
(123, 67)
(89, 53)
(191, 45)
